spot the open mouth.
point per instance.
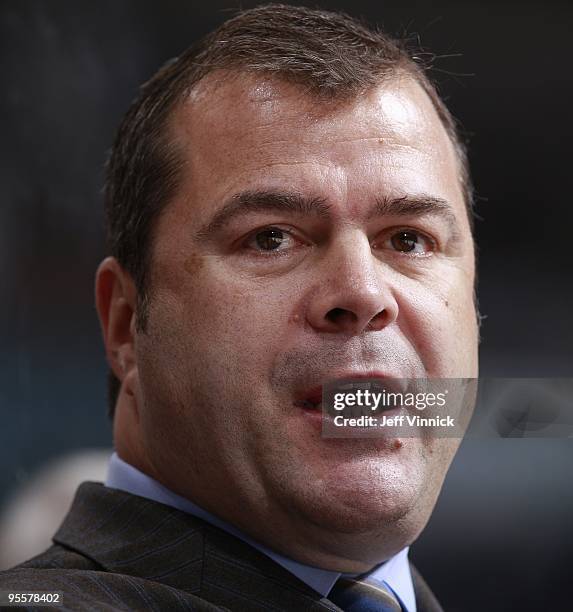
(311, 400)
(308, 404)
(384, 387)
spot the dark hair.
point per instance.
(330, 55)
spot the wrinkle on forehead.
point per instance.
(402, 112)
(240, 132)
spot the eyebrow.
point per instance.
(417, 206)
(296, 203)
(264, 201)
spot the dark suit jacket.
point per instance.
(117, 551)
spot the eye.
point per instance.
(270, 239)
(410, 242)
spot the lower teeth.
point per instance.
(308, 405)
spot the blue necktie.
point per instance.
(359, 596)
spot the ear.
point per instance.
(115, 303)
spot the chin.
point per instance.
(357, 512)
(354, 527)
(351, 502)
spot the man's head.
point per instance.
(288, 203)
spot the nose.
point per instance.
(352, 297)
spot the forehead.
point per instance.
(248, 132)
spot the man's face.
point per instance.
(307, 242)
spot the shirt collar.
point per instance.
(395, 572)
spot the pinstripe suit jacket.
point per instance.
(117, 551)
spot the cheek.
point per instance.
(215, 323)
(439, 321)
(233, 312)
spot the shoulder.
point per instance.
(85, 586)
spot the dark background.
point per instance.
(502, 534)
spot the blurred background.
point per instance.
(501, 537)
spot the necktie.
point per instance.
(359, 596)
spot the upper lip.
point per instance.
(313, 392)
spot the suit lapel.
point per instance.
(425, 600)
(131, 535)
